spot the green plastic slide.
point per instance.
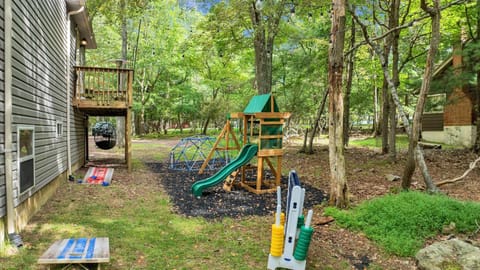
(246, 154)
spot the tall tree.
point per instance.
(393, 88)
(265, 17)
(394, 16)
(476, 146)
(414, 151)
(338, 179)
(348, 87)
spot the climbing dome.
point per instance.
(105, 135)
(190, 153)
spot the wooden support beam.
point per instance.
(270, 152)
(271, 123)
(272, 115)
(259, 173)
(128, 140)
(225, 133)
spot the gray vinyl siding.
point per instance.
(77, 125)
(39, 86)
(2, 110)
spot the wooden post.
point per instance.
(244, 123)
(128, 140)
(225, 133)
(128, 124)
(259, 174)
(222, 133)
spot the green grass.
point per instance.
(401, 222)
(401, 143)
(186, 132)
(144, 233)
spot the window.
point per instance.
(58, 129)
(26, 153)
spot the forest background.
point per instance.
(197, 61)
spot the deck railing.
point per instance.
(103, 87)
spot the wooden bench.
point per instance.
(77, 251)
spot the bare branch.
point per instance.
(470, 168)
(403, 26)
(404, 18)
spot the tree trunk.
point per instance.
(265, 24)
(395, 97)
(141, 131)
(304, 146)
(164, 127)
(376, 122)
(205, 126)
(348, 88)
(338, 180)
(384, 119)
(476, 146)
(309, 150)
(414, 151)
(121, 120)
(393, 37)
(392, 134)
(263, 62)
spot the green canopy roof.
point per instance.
(261, 103)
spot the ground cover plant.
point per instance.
(402, 222)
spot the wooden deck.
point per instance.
(106, 92)
(77, 251)
(103, 91)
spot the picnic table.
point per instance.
(77, 251)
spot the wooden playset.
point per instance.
(261, 124)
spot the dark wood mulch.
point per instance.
(217, 203)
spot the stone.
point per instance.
(453, 254)
(392, 178)
(449, 229)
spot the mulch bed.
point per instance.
(216, 202)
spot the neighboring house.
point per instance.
(449, 113)
(42, 136)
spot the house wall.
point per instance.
(2, 116)
(432, 127)
(459, 108)
(38, 86)
(40, 101)
(460, 135)
(433, 136)
(79, 122)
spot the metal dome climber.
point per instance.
(190, 153)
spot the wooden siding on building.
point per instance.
(2, 111)
(432, 122)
